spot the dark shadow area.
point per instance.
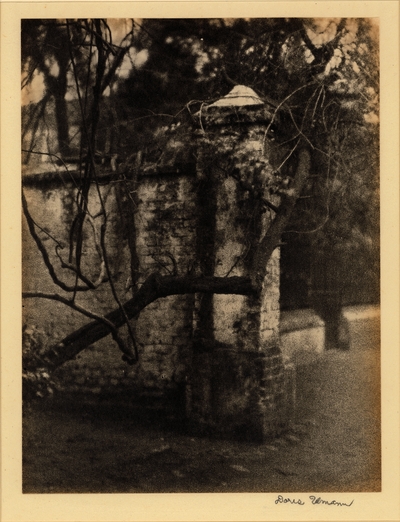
(74, 445)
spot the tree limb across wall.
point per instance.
(153, 288)
(157, 286)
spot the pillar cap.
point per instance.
(240, 106)
(239, 96)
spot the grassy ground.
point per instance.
(334, 444)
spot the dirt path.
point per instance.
(334, 444)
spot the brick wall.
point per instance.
(223, 350)
(165, 224)
(166, 230)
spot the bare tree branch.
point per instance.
(130, 357)
(153, 288)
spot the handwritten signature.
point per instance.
(314, 500)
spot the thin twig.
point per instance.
(114, 292)
(43, 251)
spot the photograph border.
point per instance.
(16, 506)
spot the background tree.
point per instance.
(321, 77)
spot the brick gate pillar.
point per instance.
(237, 385)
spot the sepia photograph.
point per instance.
(200, 255)
(201, 298)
